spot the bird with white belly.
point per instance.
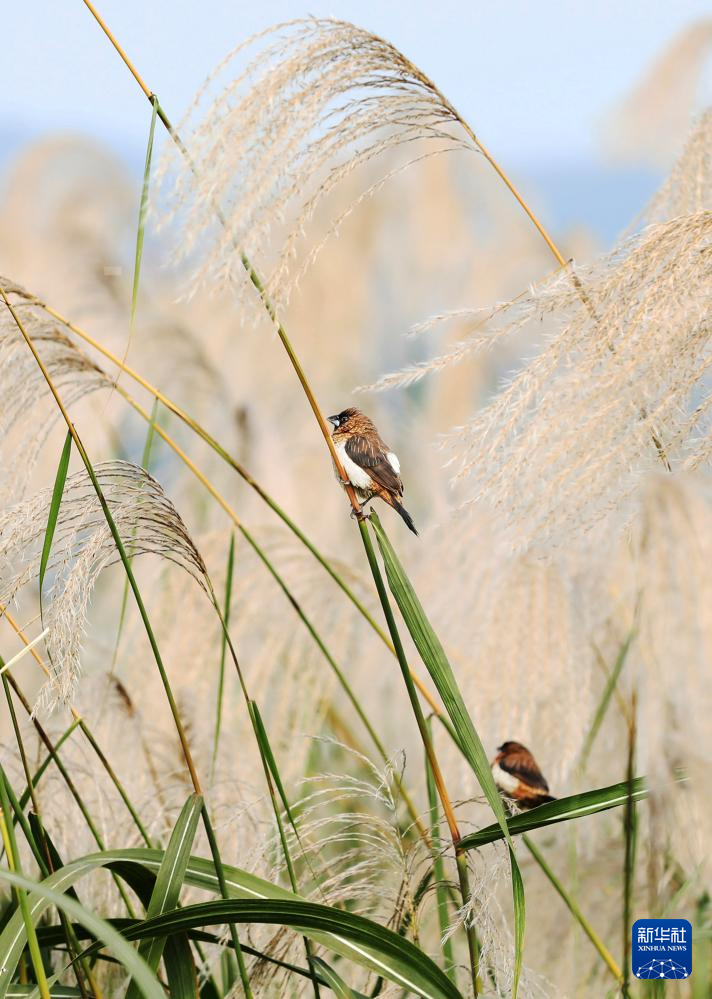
(371, 467)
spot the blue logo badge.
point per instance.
(662, 948)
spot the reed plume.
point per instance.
(320, 98)
(564, 443)
(83, 546)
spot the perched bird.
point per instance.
(517, 775)
(370, 465)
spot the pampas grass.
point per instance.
(554, 537)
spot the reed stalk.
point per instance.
(147, 626)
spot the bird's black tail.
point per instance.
(404, 514)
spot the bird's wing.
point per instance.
(520, 763)
(375, 459)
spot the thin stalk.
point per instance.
(439, 871)
(223, 650)
(269, 307)
(143, 207)
(138, 257)
(20, 746)
(222, 502)
(21, 820)
(575, 911)
(460, 857)
(146, 622)
(609, 689)
(145, 461)
(254, 717)
(86, 814)
(13, 861)
(630, 831)
(44, 856)
(242, 472)
(127, 61)
(87, 733)
(39, 772)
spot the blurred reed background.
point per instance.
(556, 550)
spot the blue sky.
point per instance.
(534, 78)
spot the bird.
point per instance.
(370, 465)
(517, 775)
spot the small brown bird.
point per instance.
(517, 775)
(370, 465)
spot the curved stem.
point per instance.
(201, 432)
(180, 729)
(438, 779)
(229, 510)
(86, 732)
(574, 909)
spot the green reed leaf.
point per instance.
(603, 704)
(367, 943)
(439, 870)
(143, 206)
(169, 880)
(55, 503)
(336, 983)
(180, 967)
(575, 806)
(46, 895)
(399, 960)
(223, 647)
(436, 662)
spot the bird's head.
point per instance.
(508, 747)
(342, 421)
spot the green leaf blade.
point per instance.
(55, 503)
(436, 662)
(169, 880)
(398, 959)
(360, 940)
(147, 982)
(562, 810)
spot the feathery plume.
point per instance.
(25, 402)
(688, 188)
(672, 551)
(320, 98)
(565, 443)
(665, 570)
(82, 547)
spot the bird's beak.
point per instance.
(333, 420)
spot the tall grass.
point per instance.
(347, 836)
